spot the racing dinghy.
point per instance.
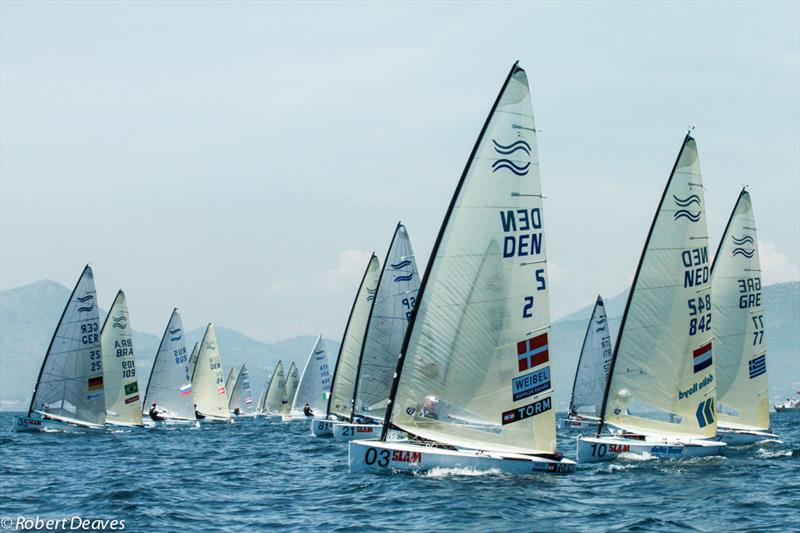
(292, 382)
(193, 358)
(69, 390)
(208, 382)
(170, 382)
(739, 345)
(240, 403)
(314, 386)
(274, 396)
(472, 387)
(120, 383)
(661, 389)
(345, 372)
(592, 373)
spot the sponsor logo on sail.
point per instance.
(757, 366)
(705, 412)
(530, 384)
(527, 411)
(684, 204)
(532, 352)
(702, 357)
(132, 399)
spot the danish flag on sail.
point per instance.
(532, 352)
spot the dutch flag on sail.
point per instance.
(532, 352)
(702, 357)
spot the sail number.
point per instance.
(95, 361)
(128, 369)
(529, 301)
(758, 333)
(749, 292)
(408, 305)
(372, 456)
(700, 310)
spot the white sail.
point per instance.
(210, 394)
(230, 381)
(386, 328)
(193, 358)
(292, 382)
(346, 370)
(593, 365)
(120, 382)
(662, 372)
(241, 396)
(274, 397)
(475, 370)
(170, 383)
(738, 308)
(315, 383)
(70, 383)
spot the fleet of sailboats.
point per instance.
(454, 368)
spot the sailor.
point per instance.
(307, 410)
(197, 414)
(430, 409)
(155, 412)
(236, 411)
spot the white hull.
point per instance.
(119, 425)
(787, 408)
(404, 456)
(28, 424)
(150, 423)
(321, 427)
(742, 437)
(214, 420)
(612, 448)
(578, 422)
(343, 431)
(294, 418)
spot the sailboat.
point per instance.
(240, 403)
(737, 304)
(193, 358)
(661, 389)
(170, 382)
(472, 386)
(120, 382)
(230, 381)
(592, 373)
(210, 394)
(292, 382)
(345, 372)
(393, 304)
(69, 389)
(314, 386)
(274, 396)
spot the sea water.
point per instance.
(268, 475)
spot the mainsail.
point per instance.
(230, 381)
(193, 358)
(345, 372)
(292, 381)
(593, 365)
(738, 309)
(121, 385)
(662, 371)
(475, 369)
(241, 396)
(70, 382)
(386, 327)
(315, 383)
(209, 383)
(170, 383)
(274, 396)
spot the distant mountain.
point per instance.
(29, 314)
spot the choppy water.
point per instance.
(269, 475)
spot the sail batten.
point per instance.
(121, 384)
(170, 381)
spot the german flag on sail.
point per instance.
(702, 357)
(96, 383)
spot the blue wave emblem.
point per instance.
(686, 202)
(511, 148)
(747, 239)
(683, 213)
(119, 322)
(85, 298)
(174, 332)
(85, 309)
(407, 277)
(371, 294)
(519, 170)
(741, 251)
(401, 264)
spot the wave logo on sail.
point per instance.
(684, 204)
(176, 334)
(743, 252)
(508, 164)
(402, 264)
(601, 324)
(85, 309)
(120, 322)
(371, 294)
(406, 277)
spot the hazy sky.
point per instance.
(241, 160)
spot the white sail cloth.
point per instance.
(210, 394)
(241, 396)
(274, 396)
(292, 382)
(170, 383)
(476, 369)
(593, 365)
(121, 384)
(315, 383)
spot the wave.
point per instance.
(686, 202)
(440, 472)
(741, 251)
(85, 298)
(742, 240)
(519, 170)
(120, 325)
(683, 213)
(85, 309)
(401, 264)
(176, 338)
(371, 294)
(511, 148)
(174, 331)
(407, 277)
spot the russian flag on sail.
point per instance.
(702, 357)
(532, 352)
(186, 389)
